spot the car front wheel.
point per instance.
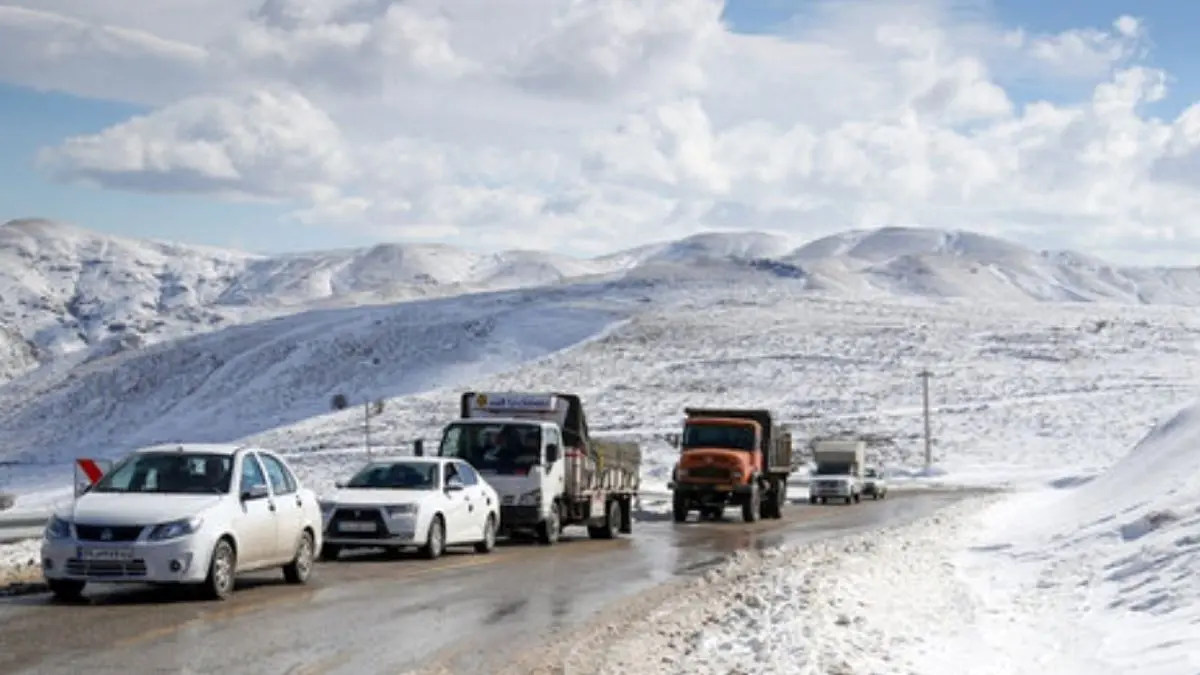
(222, 569)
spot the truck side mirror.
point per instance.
(551, 453)
(419, 447)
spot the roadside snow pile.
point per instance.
(888, 601)
(1120, 551)
(19, 563)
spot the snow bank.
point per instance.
(886, 601)
(1118, 552)
(224, 386)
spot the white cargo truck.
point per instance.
(838, 471)
(535, 450)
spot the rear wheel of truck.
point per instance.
(752, 505)
(549, 529)
(612, 522)
(772, 506)
(679, 509)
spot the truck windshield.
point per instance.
(833, 469)
(718, 436)
(511, 449)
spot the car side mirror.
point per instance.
(254, 492)
(551, 453)
(454, 485)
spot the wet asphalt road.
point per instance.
(373, 614)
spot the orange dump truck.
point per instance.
(731, 457)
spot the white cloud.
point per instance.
(594, 125)
(260, 145)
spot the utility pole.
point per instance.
(367, 427)
(370, 409)
(925, 375)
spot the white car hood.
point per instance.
(116, 508)
(376, 496)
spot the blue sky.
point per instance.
(30, 120)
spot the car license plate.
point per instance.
(104, 554)
(356, 527)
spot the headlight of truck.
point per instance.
(531, 498)
(400, 510)
(175, 529)
(57, 528)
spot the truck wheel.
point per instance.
(772, 506)
(612, 521)
(679, 509)
(549, 529)
(812, 500)
(626, 516)
(752, 505)
(857, 497)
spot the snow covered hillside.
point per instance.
(1022, 394)
(922, 262)
(65, 290)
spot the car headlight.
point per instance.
(58, 528)
(175, 529)
(400, 509)
(531, 498)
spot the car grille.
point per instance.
(709, 472)
(366, 515)
(106, 569)
(115, 532)
(828, 484)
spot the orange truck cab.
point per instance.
(731, 457)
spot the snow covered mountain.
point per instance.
(74, 295)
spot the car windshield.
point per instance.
(169, 473)
(503, 449)
(396, 476)
(736, 437)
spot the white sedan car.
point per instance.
(427, 503)
(184, 514)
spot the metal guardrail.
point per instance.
(22, 525)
